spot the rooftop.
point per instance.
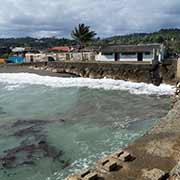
(130, 48)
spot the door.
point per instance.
(31, 59)
(117, 56)
(140, 57)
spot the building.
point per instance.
(18, 55)
(63, 49)
(15, 59)
(132, 53)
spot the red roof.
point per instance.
(60, 48)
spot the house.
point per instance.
(132, 53)
(18, 55)
(35, 57)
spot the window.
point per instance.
(128, 53)
(107, 54)
(147, 53)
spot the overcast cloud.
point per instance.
(38, 18)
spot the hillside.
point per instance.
(170, 37)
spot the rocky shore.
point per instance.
(155, 156)
(134, 72)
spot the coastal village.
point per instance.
(90, 90)
(152, 63)
(115, 53)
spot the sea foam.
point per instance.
(18, 79)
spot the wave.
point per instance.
(18, 79)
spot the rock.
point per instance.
(25, 131)
(154, 174)
(175, 173)
(54, 71)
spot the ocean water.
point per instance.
(52, 126)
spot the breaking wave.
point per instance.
(17, 79)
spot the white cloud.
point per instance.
(106, 17)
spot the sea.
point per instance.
(51, 127)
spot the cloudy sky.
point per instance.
(38, 18)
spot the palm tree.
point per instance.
(82, 34)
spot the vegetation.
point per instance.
(170, 37)
(82, 34)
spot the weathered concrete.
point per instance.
(129, 71)
(135, 72)
(168, 71)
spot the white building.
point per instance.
(132, 53)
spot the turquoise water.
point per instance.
(84, 124)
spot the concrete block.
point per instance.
(85, 173)
(72, 178)
(126, 156)
(91, 176)
(109, 165)
(88, 174)
(118, 153)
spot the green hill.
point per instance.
(170, 37)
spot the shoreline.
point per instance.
(26, 69)
(158, 148)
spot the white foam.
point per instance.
(107, 84)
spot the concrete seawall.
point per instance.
(135, 72)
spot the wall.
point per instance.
(123, 57)
(168, 71)
(101, 57)
(75, 56)
(147, 57)
(36, 57)
(136, 72)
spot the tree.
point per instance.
(82, 34)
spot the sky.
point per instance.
(47, 18)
